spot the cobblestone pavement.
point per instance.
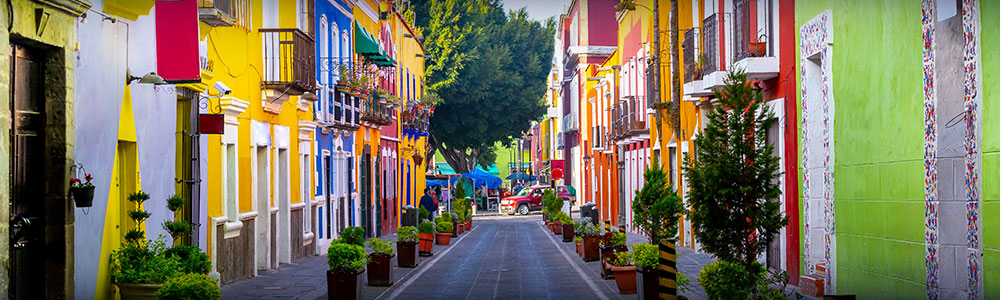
(503, 257)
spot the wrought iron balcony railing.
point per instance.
(289, 61)
(751, 25)
(692, 67)
(710, 43)
(376, 112)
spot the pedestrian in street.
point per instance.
(429, 203)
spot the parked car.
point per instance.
(529, 199)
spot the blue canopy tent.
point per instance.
(480, 177)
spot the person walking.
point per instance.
(429, 203)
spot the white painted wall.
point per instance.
(100, 65)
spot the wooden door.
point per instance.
(27, 206)
(365, 201)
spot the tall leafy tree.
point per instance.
(489, 68)
(733, 180)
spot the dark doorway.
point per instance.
(27, 206)
(366, 191)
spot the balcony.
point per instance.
(627, 120)
(219, 13)
(289, 61)
(416, 119)
(570, 122)
(376, 112)
(345, 106)
(753, 45)
(713, 74)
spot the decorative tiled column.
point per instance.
(816, 37)
(973, 155)
(930, 152)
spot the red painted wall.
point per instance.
(603, 27)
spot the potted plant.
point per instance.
(347, 262)
(139, 268)
(579, 245)
(557, 222)
(82, 191)
(611, 243)
(176, 229)
(621, 265)
(552, 206)
(646, 257)
(567, 228)
(444, 229)
(590, 234)
(454, 222)
(657, 210)
(190, 286)
(379, 262)
(426, 233)
(406, 246)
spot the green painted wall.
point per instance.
(878, 145)
(989, 43)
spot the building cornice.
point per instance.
(75, 8)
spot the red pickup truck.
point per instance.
(530, 198)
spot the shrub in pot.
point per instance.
(190, 287)
(611, 243)
(621, 265)
(426, 230)
(423, 214)
(444, 229)
(406, 246)
(353, 235)
(579, 245)
(380, 262)
(646, 258)
(139, 268)
(347, 262)
(590, 234)
(567, 228)
(454, 223)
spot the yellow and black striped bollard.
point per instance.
(668, 270)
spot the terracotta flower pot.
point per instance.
(579, 248)
(557, 228)
(648, 283)
(138, 291)
(758, 49)
(568, 233)
(454, 230)
(380, 270)
(345, 285)
(461, 227)
(426, 243)
(607, 253)
(468, 225)
(625, 278)
(407, 254)
(590, 249)
(443, 238)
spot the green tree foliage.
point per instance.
(657, 208)
(733, 181)
(489, 68)
(342, 257)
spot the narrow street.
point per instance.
(503, 257)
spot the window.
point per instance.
(232, 183)
(324, 72)
(337, 58)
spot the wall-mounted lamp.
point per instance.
(419, 38)
(595, 78)
(148, 78)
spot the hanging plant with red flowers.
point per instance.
(81, 190)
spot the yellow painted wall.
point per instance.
(238, 62)
(115, 224)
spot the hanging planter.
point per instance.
(82, 191)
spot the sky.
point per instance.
(539, 9)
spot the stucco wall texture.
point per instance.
(990, 83)
(878, 129)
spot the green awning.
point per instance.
(364, 42)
